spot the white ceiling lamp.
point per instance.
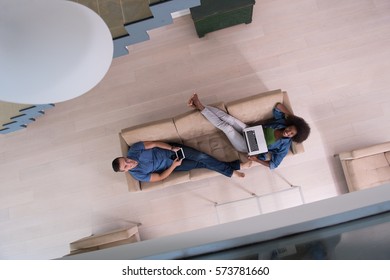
(51, 50)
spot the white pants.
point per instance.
(231, 126)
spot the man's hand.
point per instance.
(157, 144)
(177, 162)
(175, 149)
(155, 177)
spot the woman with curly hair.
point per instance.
(279, 132)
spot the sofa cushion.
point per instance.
(255, 108)
(176, 177)
(161, 130)
(215, 144)
(375, 149)
(369, 171)
(202, 173)
(193, 123)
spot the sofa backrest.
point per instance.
(161, 130)
(193, 124)
(255, 108)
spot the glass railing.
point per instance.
(363, 239)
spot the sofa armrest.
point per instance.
(255, 108)
(368, 151)
(286, 102)
(297, 148)
(345, 156)
(132, 184)
(105, 238)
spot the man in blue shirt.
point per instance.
(152, 161)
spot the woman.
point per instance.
(279, 132)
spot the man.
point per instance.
(152, 161)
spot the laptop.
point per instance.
(255, 140)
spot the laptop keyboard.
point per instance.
(252, 141)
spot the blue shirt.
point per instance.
(279, 149)
(150, 161)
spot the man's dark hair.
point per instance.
(115, 164)
(303, 129)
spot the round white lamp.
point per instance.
(51, 50)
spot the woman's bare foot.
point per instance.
(246, 165)
(238, 174)
(190, 102)
(194, 102)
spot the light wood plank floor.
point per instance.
(332, 57)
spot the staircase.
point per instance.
(26, 115)
(129, 20)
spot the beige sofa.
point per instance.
(367, 167)
(193, 130)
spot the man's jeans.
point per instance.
(196, 159)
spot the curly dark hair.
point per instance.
(303, 129)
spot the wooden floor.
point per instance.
(331, 56)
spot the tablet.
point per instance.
(180, 154)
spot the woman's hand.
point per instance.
(283, 109)
(262, 162)
(252, 158)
